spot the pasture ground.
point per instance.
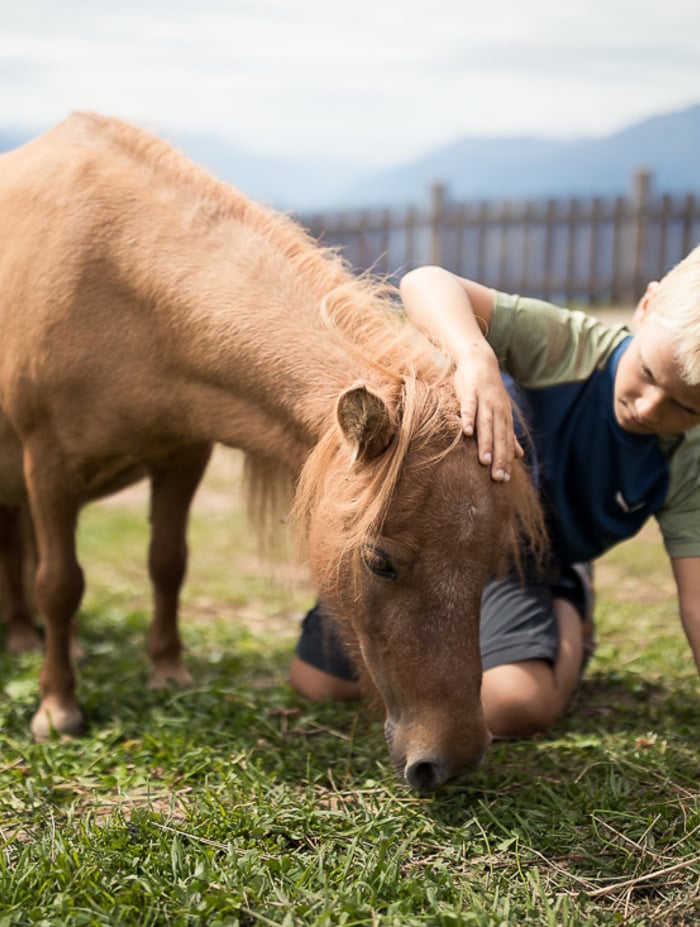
(235, 803)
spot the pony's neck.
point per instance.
(264, 372)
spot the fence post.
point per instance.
(641, 185)
(437, 209)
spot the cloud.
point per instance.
(375, 81)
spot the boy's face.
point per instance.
(650, 396)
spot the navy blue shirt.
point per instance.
(599, 483)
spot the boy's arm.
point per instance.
(686, 572)
(456, 313)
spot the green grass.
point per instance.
(236, 803)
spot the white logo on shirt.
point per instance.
(625, 506)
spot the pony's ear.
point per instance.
(365, 421)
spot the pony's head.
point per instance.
(404, 527)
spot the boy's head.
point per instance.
(675, 304)
(657, 385)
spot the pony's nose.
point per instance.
(427, 772)
(425, 762)
(425, 775)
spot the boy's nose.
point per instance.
(649, 404)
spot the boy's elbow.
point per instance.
(424, 279)
(419, 273)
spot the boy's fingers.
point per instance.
(503, 452)
(485, 437)
(491, 421)
(505, 445)
(468, 415)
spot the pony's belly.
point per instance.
(109, 481)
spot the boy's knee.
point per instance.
(517, 717)
(519, 699)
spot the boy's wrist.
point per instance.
(472, 352)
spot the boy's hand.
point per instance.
(487, 410)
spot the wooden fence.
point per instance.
(593, 251)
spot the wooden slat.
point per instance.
(548, 248)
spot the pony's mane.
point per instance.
(429, 424)
(416, 382)
(362, 317)
(371, 484)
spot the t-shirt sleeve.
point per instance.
(540, 345)
(679, 519)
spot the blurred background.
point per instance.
(542, 147)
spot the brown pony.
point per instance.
(149, 311)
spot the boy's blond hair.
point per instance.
(676, 305)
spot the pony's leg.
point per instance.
(172, 489)
(21, 633)
(59, 587)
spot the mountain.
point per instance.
(492, 168)
(470, 168)
(12, 138)
(287, 183)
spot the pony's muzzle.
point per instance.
(425, 775)
(427, 769)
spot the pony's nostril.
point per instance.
(425, 776)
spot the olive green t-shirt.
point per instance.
(565, 362)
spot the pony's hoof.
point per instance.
(170, 674)
(23, 640)
(52, 717)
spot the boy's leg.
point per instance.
(534, 656)
(533, 650)
(321, 670)
(319, 686)
(529, 696)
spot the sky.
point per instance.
(375, 81)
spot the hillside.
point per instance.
(471, 168)
(485, 168)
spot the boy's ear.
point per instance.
(643, 304)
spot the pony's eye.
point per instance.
(378, 563)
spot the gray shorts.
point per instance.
(517, 623)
